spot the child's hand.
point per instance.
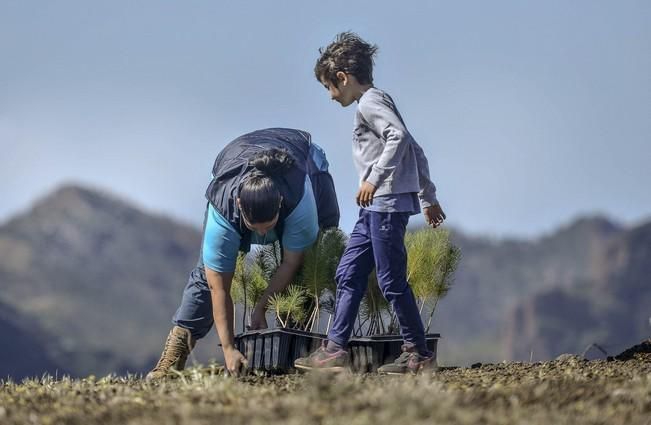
(365, 194)
(434, 215)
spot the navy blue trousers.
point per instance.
(378, 240)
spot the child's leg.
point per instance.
(352, 279)
(388, 240)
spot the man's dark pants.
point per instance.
(195, 311)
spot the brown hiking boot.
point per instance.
(178, 345)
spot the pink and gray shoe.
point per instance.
(410, 361)
(324, 359)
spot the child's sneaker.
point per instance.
(323, 359)
(410, 361)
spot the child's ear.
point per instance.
(342, 77)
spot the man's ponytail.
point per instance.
(272, 162)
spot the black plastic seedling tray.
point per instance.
(275, 350)
(367, 354)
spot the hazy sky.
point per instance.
(530, 112)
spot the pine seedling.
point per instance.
(250, 279)
(289, 306)
(431, 262)
(319, 268)
(373, 308)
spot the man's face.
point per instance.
(261, 228)
(342, 92)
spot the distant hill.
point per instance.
(99, 275)
(90, 282)
(612, 308)
(25, 347)
(497, 277)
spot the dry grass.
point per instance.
(568, 391)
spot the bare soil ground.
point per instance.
(568, 390)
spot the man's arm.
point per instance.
(222, 311)
(292, 261)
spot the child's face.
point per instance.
(343, 92)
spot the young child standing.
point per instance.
(394, 184)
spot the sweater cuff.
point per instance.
(375, 178)
(427, 201)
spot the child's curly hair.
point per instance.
(347, 53)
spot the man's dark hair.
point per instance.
(347, 53)
(259, 196)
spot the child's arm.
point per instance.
(432, 210)
(427, 194)
(383, 121)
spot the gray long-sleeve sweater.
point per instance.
(384, 152)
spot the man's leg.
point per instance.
(195, 311)
(192, 321)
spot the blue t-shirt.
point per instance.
(221, 242)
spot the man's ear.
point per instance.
(342, 77)
(238, 203)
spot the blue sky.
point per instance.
(531, 113)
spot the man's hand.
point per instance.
(258, 319)
(434, 215)
(365, 195)
(234, 361)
